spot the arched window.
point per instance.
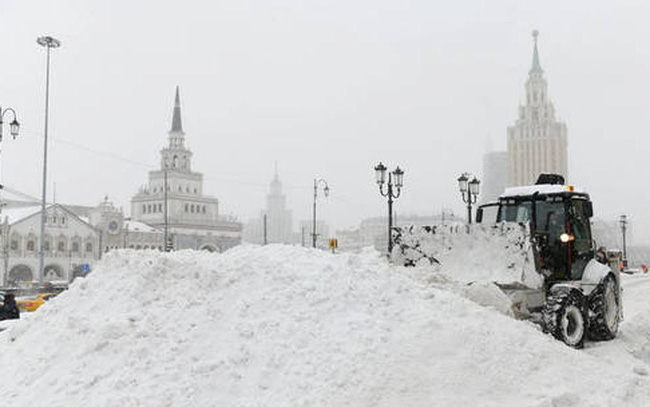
(89, 247)
(175, 162)
(30, 245)
(61, 246)
(75, 247)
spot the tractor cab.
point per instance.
(558, 217)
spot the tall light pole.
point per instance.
(469, 191)
(398, 175)
(326, 190)
(623, 222)
(49, 43)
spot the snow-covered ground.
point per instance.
(289, 326)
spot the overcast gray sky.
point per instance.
(327, 89)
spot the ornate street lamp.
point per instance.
(469, 190)
(14, 126)
(326, 190)
(395, 179)
(49, 43)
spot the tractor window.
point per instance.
(515, 212)
(550, 218)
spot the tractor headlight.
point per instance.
(566, 238)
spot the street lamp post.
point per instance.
(49, 43)
(395, 179)
(469, 191)
(326, 190)
(14, 127)
(623, 222)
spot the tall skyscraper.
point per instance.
(276, 216)
(537, 142)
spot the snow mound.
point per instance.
(287, 326)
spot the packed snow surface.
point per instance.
(288, 326)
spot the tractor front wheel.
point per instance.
(563, 316)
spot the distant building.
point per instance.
(537, 142)
(495, 175)
(279, 220)
(71, 244)
(175, 192)
(322, 232)
(374, 231)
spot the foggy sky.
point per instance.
(327, 89)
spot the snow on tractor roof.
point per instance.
(544, 189)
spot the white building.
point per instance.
(278, 219)
(174, 197)
(495, 175)
(72, 245)
(537, 142)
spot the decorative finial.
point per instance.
(536, 67)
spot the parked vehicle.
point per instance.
(32, 304)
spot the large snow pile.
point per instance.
(287, 326)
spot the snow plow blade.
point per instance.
(500, 253)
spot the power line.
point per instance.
(118, 157)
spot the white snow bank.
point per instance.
(288, 326)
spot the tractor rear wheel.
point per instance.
(563, 316)
(604, 310)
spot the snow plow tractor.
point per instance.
(534, 243)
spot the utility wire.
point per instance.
(108, 154)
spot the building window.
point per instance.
(159, 207)
(30, 245)
(192, 208)
(47, 245)
(14, 244)
(144, 208)
(61, 247)
(54, 220)
(187, 208)
(63, 220)
(196, 191)
(89, 247)
(75, 247)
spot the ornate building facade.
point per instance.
(537, 142)
(173, 198)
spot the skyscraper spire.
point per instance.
(536, 66)
(177, 125)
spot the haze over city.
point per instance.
(326, 90)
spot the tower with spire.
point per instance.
(173, 197)
(279, 219)
(537, 141)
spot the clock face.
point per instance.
(113, 227)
